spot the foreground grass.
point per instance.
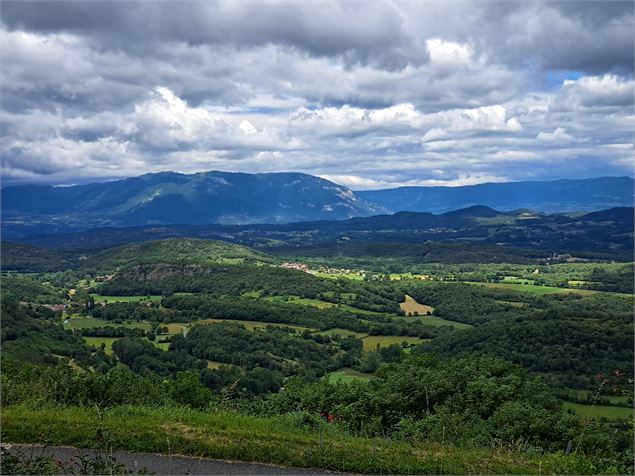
(278, 440)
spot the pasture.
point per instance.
(174, 329)
(600, 411)
(589, 394)
(410, 306)
(97, 341)
(324, 304)
(77, 322)
(347, 375)
(342, 332)
(161, 345)
(370, 342)
(531, 288)
(353, 276)
(251, 325)
(108, 299)
(437, 321)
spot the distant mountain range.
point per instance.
(166, 198)
(604, 234)
(239, 198)
(553, 196)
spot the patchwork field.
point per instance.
(370, 342)
(213, 365)
(347, 375)
(322, 304)
(600, 411)
(174, 329)
(410, 306)
(97, 341)
(342, 332)
(108, 299)
(531, 288)
(251, 324)
(354, 276)
(76, 322)
(162, 345)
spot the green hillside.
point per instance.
(178, 250)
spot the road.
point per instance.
(161, 464)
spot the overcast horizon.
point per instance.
(365, 94)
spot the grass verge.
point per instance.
(277, 440)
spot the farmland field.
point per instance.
(412, 306)
(173, 328)
(321, 304)
(347, 375)
(250, 325)
(97, 341)
(355, 277)
(161, 345)
(91, 322)
(586, 394)
(439, 321)
(600, 411)
(342, 332)
(370, 342)
(530, 288)
(108, 299)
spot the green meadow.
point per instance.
(600, 411)
(370, 342)
(76, 322)
(109, 299)
(97, 341)
(531, 288)
(347, 375)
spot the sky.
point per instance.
(369, 94)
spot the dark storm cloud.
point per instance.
(586, 36)
(349, 29)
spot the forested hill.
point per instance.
(548, 196)
(603, 234)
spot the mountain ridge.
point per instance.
(562, 195)
(215, 197)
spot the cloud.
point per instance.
(598, 91)
(391, 93)
(558, 135)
